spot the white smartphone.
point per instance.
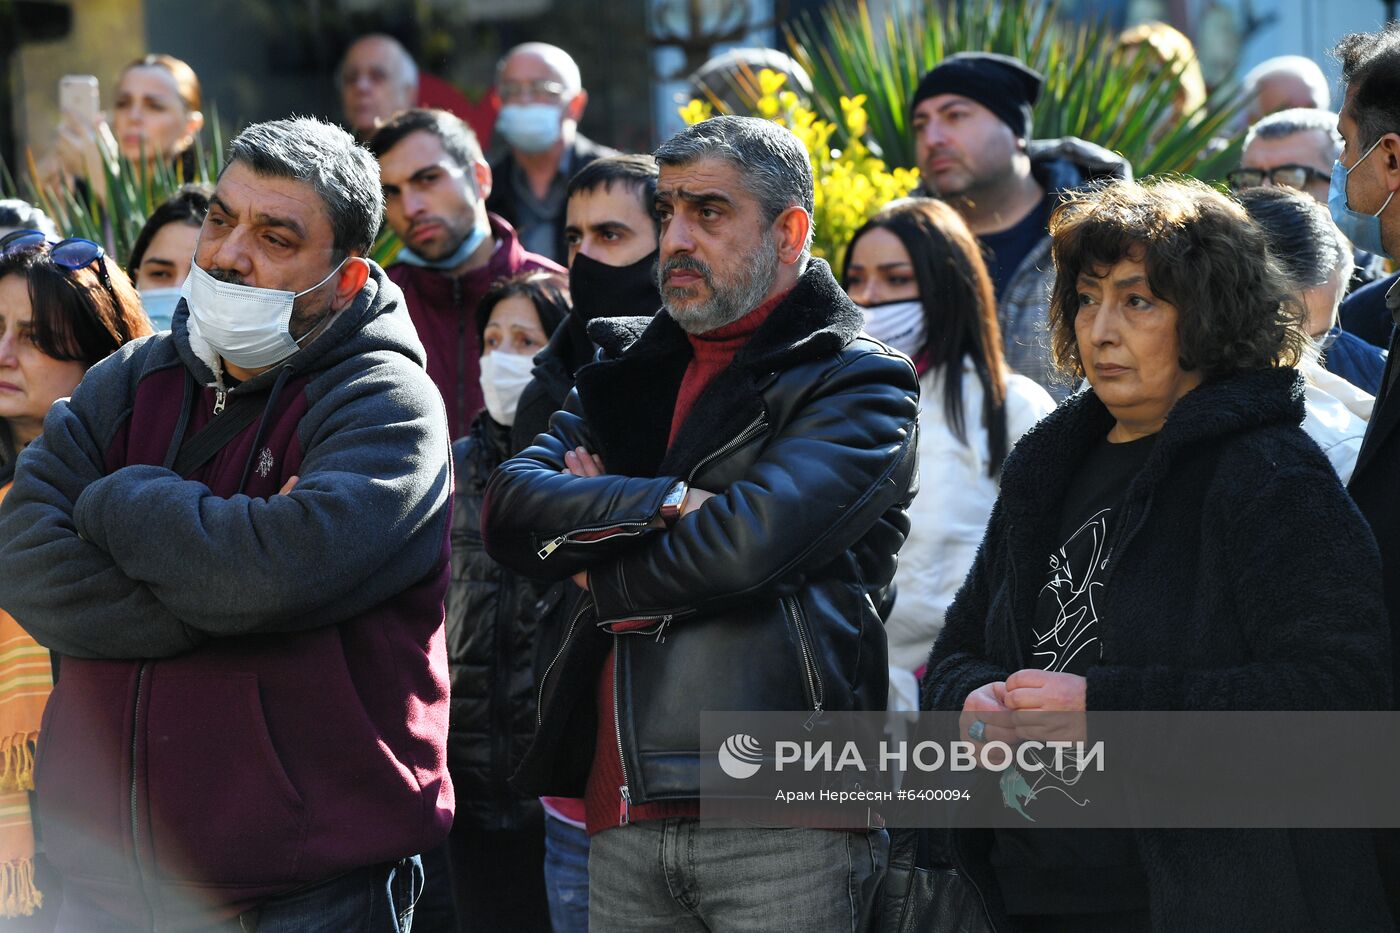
(78, 95)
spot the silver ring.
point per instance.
(977, 731)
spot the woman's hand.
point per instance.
(987, 704)
(85, 150)
(1047, 706)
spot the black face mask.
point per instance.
(601, 290)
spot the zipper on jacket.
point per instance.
(632, 528)
(500, 688)
(809, 664)
(754, 429)
(568, 633)
(461, 352)
(961, 868)
(624, 807)
(136, 726)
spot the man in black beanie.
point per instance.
(971, 117)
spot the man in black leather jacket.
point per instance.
(728, 482)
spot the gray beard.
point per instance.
(728, 301)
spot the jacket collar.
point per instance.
(629, 395)
(1040, 467)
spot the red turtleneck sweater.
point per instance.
(605, 807)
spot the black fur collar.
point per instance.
(1039, 469)
(629, 395)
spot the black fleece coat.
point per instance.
(765, 597)
(1211, 603)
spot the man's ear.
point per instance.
(1390, 160)
(791, 228)
(573, 110)
(482, 172)
(353, 276)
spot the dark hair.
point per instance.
(1371, 72)
(1202, 253)
(1302, 235)
(328, 159)
(960, 311)
(75, 317)
(547, 291)
(772, 162)
(637, 172)
(455, 135)
(188, 205)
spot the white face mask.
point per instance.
(900, 324)
(504, 377)
(159, 305)
(249, 327)
(530, 127)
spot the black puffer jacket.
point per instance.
(1208, 604)
(493, 615)
(766, 595)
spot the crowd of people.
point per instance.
(339, 597)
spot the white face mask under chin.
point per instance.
(248, 327)
(900, 324)
(504, 377)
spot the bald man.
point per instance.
(377, 78)
(542, 99)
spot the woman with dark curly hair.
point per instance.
(1137, 559)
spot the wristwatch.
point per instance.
(674, 503)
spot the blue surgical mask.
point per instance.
(1364, 230)
(159, 305)
(447, 263)
(530, 127)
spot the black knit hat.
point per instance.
(1002, 84)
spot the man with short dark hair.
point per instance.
(235, 533)
(436, 183)
(612, 237)
(740, 461)
(377, 79)
(542, 100)
(971, 118)
(1364, 184)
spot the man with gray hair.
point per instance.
(542, 100)
(235, 534)
(1296, 149)
(728, 484)
(377, 79)
(1286, 82)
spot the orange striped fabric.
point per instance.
(26, 679)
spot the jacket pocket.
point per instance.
(81, 769)
(222, 808)
(807, 649)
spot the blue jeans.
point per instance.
(566, 875)
(683, 875)
(369, 900)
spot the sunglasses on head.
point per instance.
(73, 253)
